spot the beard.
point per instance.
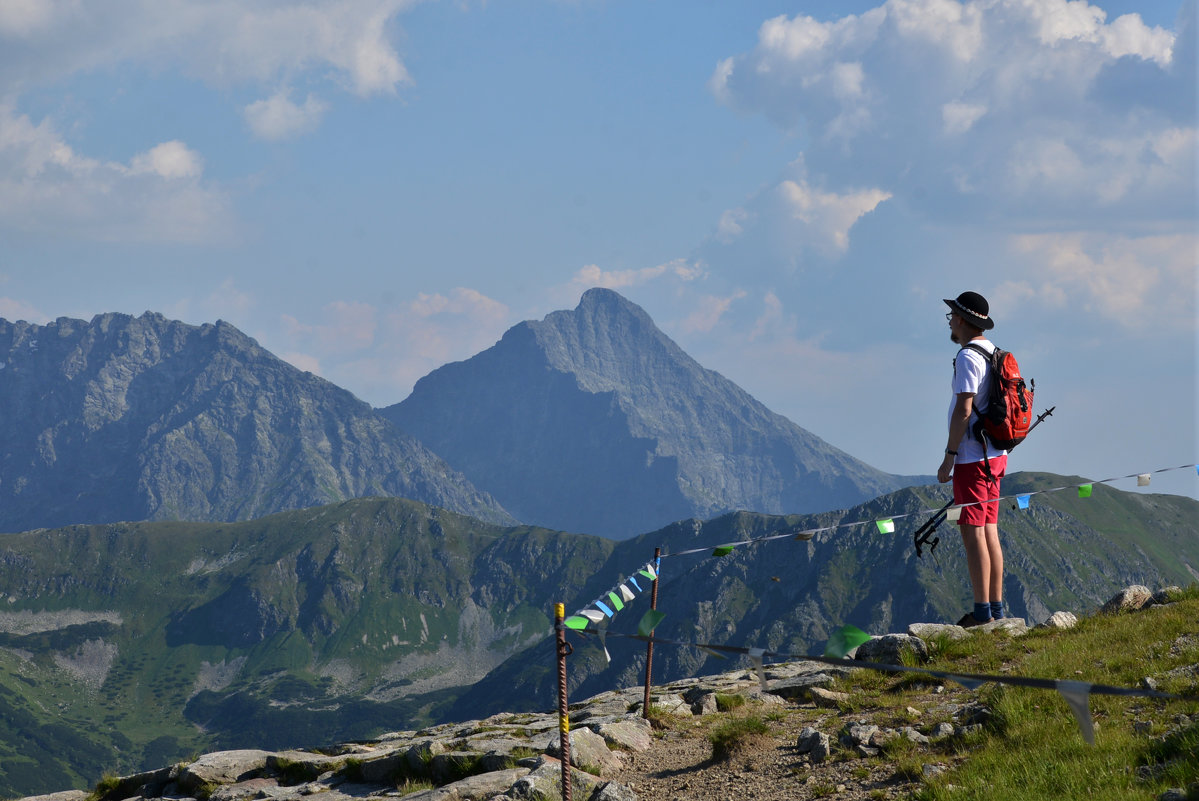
(954, 338)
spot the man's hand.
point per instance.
(945, 471)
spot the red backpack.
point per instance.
(1008, 414)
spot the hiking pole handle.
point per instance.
(1048, 412)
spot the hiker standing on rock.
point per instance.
(974, 466)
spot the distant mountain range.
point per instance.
(590, 420)
(593, 420)
(128, 646)
(145, 418)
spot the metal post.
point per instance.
(563, 716)
(649, 648)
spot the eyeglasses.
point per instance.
(949, 316)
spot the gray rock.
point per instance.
(929, 771)
(544, 783)
(1129, 599)
(1059, 620)
(706, 705)
(854, 734)
(913, 735)
(473, 788)
(633, 734)
(1165, 594)
(930, 631)
(797, 688)
(828, 699)
(222, 767)
(941, 730)
(1013, 626)
(64, 795)
(260, 787)
(614, 792)
(889, 648)
(588, 750)
(1173, 794)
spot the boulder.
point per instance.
(544, 783)
(1059, 620)
(474, 788)
(1013, 626)
(223, 767)
(632, 735)
(814, 743)
(931, 631)
(1129, 599)
(888, 649)
(588, 750)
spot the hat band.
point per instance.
(970, 311)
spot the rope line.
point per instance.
(807, 534)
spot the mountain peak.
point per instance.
(594, 420)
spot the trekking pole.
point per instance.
(924, 534)
(649, 648)
(563, 650)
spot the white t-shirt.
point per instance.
(970, 374)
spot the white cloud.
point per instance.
(898, 97)
(217, 41)
(1138, 283)
(12, 309)
(168, 160)
(592, 276)
(45, 185)
(708, 312)
(278, 117)
(826, 217)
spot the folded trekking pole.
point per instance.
(924, 534)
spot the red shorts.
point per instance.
(971, 484)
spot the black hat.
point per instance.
(973, 308)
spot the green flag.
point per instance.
(1084, 491)
(844, 640)
(576, 622)
(723, 550)
(649, 622)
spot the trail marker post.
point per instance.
(563, 650)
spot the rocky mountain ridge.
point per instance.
(616, 755)
(145, 418)
(593, 420)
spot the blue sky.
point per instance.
(372, 188)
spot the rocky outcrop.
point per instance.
(593, 420)
(515, 757)
(145, 418)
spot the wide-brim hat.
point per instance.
(973, 308)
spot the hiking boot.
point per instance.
(968, 620)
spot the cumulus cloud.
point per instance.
(277, 117)
(381, 353)
(1137, 283)
(592, 276)
(1006, 105)
(708, 312)
(159, 196)
(218, 41)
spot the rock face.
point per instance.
(146, 418)
(593, 420)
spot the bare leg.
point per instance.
(978, 560)
(995, 560)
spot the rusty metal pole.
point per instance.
(649, 648)
(563, 717)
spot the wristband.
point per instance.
(951, 453)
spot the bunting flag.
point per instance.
(599, 611)
(755, 656)
(844, 640)
(1078, 696)
(887, 525)
(649, 622)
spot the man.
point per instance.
(975, 467)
